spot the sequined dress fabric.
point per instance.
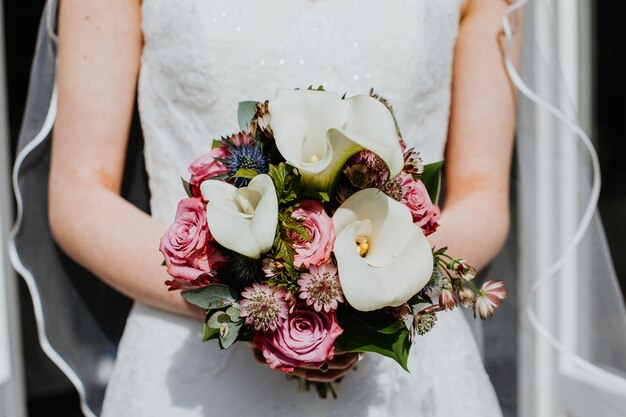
(200, 58)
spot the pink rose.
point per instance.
(188, 255)
(207, 167)
(320, 229)
(305, 338)
(415, 197)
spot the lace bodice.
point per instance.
(200, 58)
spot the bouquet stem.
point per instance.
(322, 388)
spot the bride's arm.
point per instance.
(475, 217)
(99, 52)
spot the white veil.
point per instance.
(573, 333)
(552, 247)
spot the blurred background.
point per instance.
(48, 392)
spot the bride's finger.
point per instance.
(343, 361)
(329, 376)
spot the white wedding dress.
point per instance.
(200, 58)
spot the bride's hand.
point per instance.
(338, 367)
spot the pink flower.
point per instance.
(207, 167)
(271, 267)
(188, 255)
(240, 139)
(306, 338)
(320, 287)
(466, 271)
(446, 299)
(490, 297)
(320, 228)
(366, 162)
(264, 307)
(466, 296)
(415, 197)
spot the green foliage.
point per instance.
(286, 182)
(223, 325)
(216, 144)
(187, 187)
(375, 332)
(210, 333)
(245, 112)
(246, 173)
(211, 297)
(431, 177)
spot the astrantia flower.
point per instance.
(467, 296)
(320, 287)
(239, 139)
(490, 297)
(264, 307)
(393, 188)
(366, 169)
(422, 323)
(271, 267)
(465, 270)
(413, 163)
(446, 298)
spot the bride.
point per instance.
(190, 62)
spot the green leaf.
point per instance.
(234, 313)
(245, 113)
(210, 333)
(246, 173)
(211, 296)
(360, 337)
(431, 177)
(278, 173)
(440, 251)
(288, 224)
(216, 144)
(231, 336)
(187, 187)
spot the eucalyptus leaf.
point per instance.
(233, 313)
(217, 319)
(358, 337)
(431, 177)
(245, 113)
(187, 187)
(211, 296)
(231, 336)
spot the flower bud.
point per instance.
(466, 271)
(446, 299)
(467, 297)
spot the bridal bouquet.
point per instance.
(305, 234)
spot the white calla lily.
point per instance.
(382, 257)
(318, 131)
(242, 219)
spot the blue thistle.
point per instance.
(242, 271)
(248, 156)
